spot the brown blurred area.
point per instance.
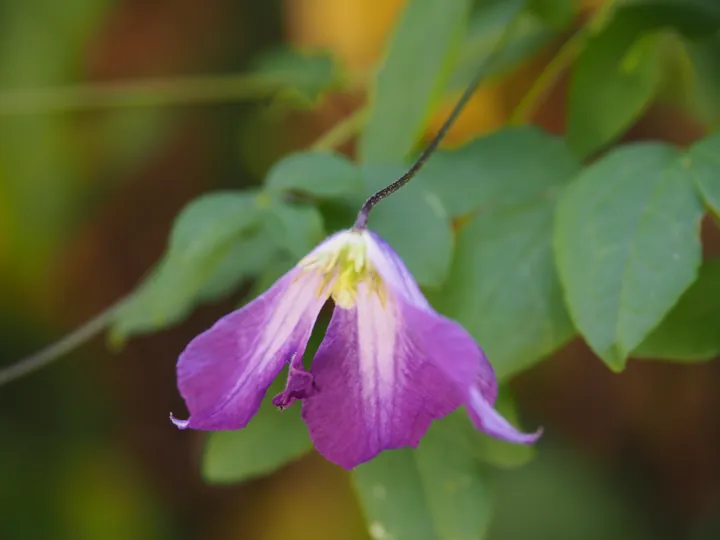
(657, 420)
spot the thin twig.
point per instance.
(58, 349)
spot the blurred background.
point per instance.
(89, 187)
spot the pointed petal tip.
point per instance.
(491, 422)
(181, 424)
(529, 438)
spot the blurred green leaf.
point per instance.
(41, 44)
(705, 162)
(305, 76)
(297, 228)
(415, 222)
(437, 492)
(555, 13)
(322, 174)
(504, 169)
(504, 289)
(486, 26)
(705, 95)
(411, 78)
(272, 439)
(692, 18)
(247, 257)
(207, 241)
(627, 245)
(503, 286)
(691, 331)
(613, 81)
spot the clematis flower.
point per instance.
(388, 365)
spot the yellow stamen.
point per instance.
(344, 267)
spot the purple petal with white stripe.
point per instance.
(447, 344)
(376, 388)
(224, 372)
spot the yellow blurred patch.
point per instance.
(354, 30)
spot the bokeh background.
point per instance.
(87, 198)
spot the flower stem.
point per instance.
(567, 54)
(58, 349)
(485, 68)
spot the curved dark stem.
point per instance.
(361, 221)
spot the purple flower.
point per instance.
(388, 366)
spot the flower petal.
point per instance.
(446, 343)
(393, 271)
(449, 346)
(489, 421)
(375, 388)
(224, 372)
(300, 384)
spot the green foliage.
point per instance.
(557, 13)
(202, 245)
(437, 492)
(39, 186)
(702, 100)
(504, 261)
(705, 161)
(485, 27)
(303, 77)
(294, 227)
(691, 331)
(613, 81)
(321, 174)
(487, 174)
(411, 78)
(510, 234)
(627, 245)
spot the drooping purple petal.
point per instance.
(449, 347)
(446, 344)
(224, 372)
(376, 389)
(489, 421)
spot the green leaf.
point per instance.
(322, 174)
(305, 76)
(487, 24)
(504, 289)
(437, 492)
(503, 286)
(556, 13)
(627, 245)
(411, 78)
(613, 81)
(248, 257)
(297, 228)
(691, 331)
(704, 56)
(272, 439)
(705, 161)
(415, 223)
(487, 173)
(43, 190)
(209, 252)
